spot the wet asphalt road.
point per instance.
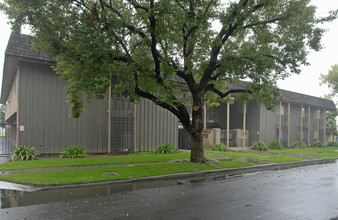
(300, 193)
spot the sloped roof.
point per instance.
(21, 46)
(19, 49)
(298, 98)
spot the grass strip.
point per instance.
(235, 164)
(324, 155)
(306, 150)
(280, 159)
(144, 157)
(97, 175)
(232, 154)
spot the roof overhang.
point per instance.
(11, 65)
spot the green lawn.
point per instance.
(306, 150)
(235, 164)
(279, 159)
(233, 154)
(97, 175)
(131, 158)
(324, 155)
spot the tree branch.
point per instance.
(128, 26)
(154, 51)
(263, 22)
(211, 87)
(137, 5)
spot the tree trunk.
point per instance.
(197, 150)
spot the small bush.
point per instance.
(260, 146)
(24, 153)
(220, 147)
(317, 144)
(73, 151)
(332, 144)
(298, 145)
(165, 149)
(275, 145)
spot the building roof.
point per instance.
(298, 98)
(21, 46)
(19, 49)
(307, 100)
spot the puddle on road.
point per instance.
(14, 198)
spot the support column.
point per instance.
(204, 116)
(318, 115)
(135, 130)
(324, 138)
(301, 123)
(18, 111)
(309, 126)
(280, 122)
(228, 124)
(289, 112)
(109, 121)
(244, 123)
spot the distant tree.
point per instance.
(331, 124)
(331, 79)
(153, 46)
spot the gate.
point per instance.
(122, 125)
(184, 140)
(7, 138)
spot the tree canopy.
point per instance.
(161, 49)
(331, 79)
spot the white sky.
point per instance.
(307, 82)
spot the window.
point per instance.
(211, 114)
(317, 114)
(315, 135)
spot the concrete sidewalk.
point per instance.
(4, 159)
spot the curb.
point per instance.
(201, 174)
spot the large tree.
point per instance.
(160, 49)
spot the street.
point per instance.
(309, 192)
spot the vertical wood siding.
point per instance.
(44, 114)
(155, 126)
(253, 121)
(267, 124)
(295, 122)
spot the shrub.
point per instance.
(317, 144)
(332, 144)
(298, 145)
(24, 153)
(165, 149)
(220, 147)
(260, 146)
(73, 151)
(275, 145)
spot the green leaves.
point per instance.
(175, 53)
(331, 79)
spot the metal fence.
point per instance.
(122, 125)
(184, 140)
(7, 138)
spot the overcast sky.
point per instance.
(307, 82)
